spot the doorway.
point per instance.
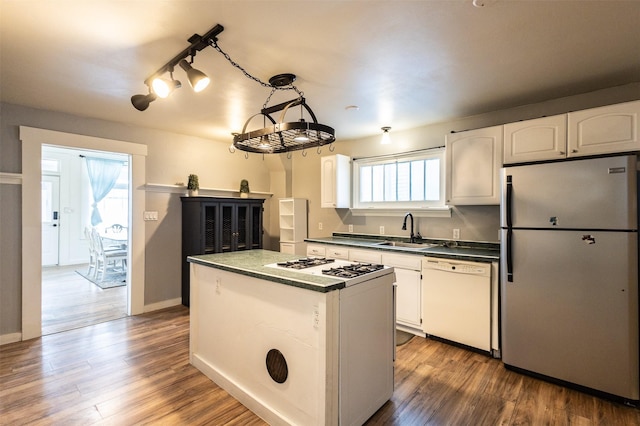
(32, 141)
(50, 212)
(73, 294)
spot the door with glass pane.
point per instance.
(50, 219)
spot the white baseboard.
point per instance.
(10, 338)
(162, 305)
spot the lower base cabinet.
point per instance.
(408, 290)
(408, 279)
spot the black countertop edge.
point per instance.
(464, 250)
(277, 276)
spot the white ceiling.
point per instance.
(403, 63)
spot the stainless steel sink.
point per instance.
(406, 245)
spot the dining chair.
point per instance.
(107, 258)
(91, 271)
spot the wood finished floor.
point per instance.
(70, 301)
(136, 370)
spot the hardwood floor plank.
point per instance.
(136, 370)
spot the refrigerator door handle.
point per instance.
(509, 197)
(509, 212)
(509, 250)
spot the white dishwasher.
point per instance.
(456, 301)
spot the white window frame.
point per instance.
(378, 208)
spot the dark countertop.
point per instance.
(463, 250)
(251, 263)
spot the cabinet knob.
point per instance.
(574, 150)
(562, 152)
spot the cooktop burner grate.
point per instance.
(305, 262)
(351, 271)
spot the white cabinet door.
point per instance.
(335, 182)
(408, 297)
(474, 159)
(408, 288)
(535, 140)
(608, 129)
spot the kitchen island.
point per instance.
(294, 348)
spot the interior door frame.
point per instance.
(32, 141)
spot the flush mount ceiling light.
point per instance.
(160, 87)
(281, 136)
(386, 138)
(278, 137)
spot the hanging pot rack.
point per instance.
(283, 136)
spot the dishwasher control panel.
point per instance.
(457, 266)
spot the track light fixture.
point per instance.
(273, 139)
(161, 87)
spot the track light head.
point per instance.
(141, 102)
(163, 87)
(197, 79)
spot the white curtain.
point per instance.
(103, 175)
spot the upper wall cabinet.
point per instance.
(595, 131)
(473, 160)
(535, 140)
(604, 130)
(335, 181)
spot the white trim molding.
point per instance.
(420, 212)
(5, 339)
(162, 305)
(32, 141)
(11, 178)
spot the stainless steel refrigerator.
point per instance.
(569, 272)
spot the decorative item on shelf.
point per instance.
(193, 186)
(244, 188)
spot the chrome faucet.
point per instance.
(412, 237)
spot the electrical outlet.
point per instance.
(350, 228)
(382, 230)
(320, 226)
(456, 234)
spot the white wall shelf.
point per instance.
(207, 192)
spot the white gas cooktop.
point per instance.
(350, 272)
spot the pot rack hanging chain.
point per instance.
(214, 44)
